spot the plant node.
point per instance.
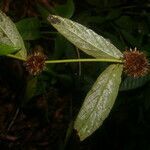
(35, 63)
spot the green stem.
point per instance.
(73, 60)
(84, 60)
(16, 57)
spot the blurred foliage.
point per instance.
(29, 28)
(53, 101)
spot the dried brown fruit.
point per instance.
(35, 63)
(135, 63)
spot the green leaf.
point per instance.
(29, 28)
(84, 38)
(7, 49)
(99, 101)
(9, 35)
(65, 10)
(130, 83)
(116, 40)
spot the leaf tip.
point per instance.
(53, 19)
(78, 135)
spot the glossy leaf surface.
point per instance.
(84, 38)
(99, 101)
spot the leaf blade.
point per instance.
(130, 83)
(29, 28)
(9, 35)
(65, 10)
(84, 38)
(7, 49)
(99, 101)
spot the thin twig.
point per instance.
(13, 120)
(85, 60)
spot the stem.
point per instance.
(84, 60)
(73, 60)
(16, 57)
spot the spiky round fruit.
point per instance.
(35, 63)
(135, 63)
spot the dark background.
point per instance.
(36, 113)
